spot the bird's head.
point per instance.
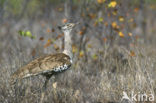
(67, 27)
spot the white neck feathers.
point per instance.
(68, 44)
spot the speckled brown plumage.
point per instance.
(43, 65)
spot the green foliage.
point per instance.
(33, 7)
(150, 1)
(136, 2)
(14, 7)
(2, 2)
(26, 34)
(100, 19)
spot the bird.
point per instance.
(51, 64)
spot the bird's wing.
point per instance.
(41, 65)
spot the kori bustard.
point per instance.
(51, 64)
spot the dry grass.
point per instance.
(100, 81)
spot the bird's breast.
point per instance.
(61, 68)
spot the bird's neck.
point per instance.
(68, 44)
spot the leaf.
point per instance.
(33, 37)
(121, 34)
(95, 57)
(104, 39)
(49, 42)
(114, 24)
(22, 33)
(53, 30)
(132, 53)
(74, 49)
(114, 12)
(48, 30)
(112, 4)
(131, 20)
(56, 47)
(84, 28)
(100, 19)
(89, 46)
(121, 18)
(64, 20)
(101, 1)
(92, 16)
(29, 34)
(130, 34)
(82, 14)
(42, 24)
(108, 14)
(60, 9)
(95, 23)
(81, 32)
(106, 23)
(136, 10)
(81, 54)
(59, 36)
(41, 38)
(26, 34)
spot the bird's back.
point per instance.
(44, 65)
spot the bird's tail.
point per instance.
(12, 82)
(13, 79)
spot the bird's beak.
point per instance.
(77, 23)
(74, 24)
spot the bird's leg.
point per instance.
(48, 76)
(46, 81)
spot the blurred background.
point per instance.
(113, 46)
